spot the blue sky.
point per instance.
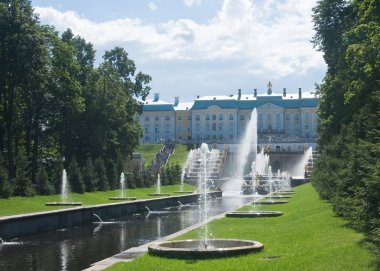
(201, 47)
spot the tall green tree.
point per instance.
(347, 171)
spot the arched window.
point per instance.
(220, 117)
(214, 117)
(231, 117)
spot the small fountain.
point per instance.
(182, 185)
(205, 247)
(122, 190)
(98, 217)
(100, 221)
(272, 189)
(185, 166)
(254, 213)
(12, 243)
(65, 191)
(158, 188)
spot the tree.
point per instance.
(101, 177)
(75, 177)
(23, 183)
(347, 171)
(44, 186)
(89, 176)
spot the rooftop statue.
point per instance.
(269, 88)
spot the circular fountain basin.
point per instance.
(197, 249)
(254, 214)
(281, 197)
(63, 203)
(269, 202)
(158, 194)
(287, 191)
(122, 198)
(183, 192)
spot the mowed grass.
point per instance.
(307, 237)
(149, 151)
(23, 205)
(179, 156)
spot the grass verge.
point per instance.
(149, 151)
(179, 156)
(307, 237)
(23, 205)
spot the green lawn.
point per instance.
(149, 151)
(179, 156)
(22, 205)
(307, 237)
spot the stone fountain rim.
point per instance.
(63, 203)
(254, 214)
(175, 252)
(122, 198)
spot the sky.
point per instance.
(200, 47)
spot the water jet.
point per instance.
(65, 191)
(158, 188)
(122, 190)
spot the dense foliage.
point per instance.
(348, 169)
(57, 110)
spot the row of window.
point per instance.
(231, 117)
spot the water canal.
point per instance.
(77, 248)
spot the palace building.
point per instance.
(281, 118)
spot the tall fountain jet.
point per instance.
(247, 145)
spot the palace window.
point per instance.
(207, 117)
(214, 117)
(220, 117)
(146, 118)
(156, 118)
(231, 117)
(167, 117)
(214, 126)
(179, 117)
(197, 118)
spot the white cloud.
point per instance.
(190, 3)
(266, 38)
(152, 6)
